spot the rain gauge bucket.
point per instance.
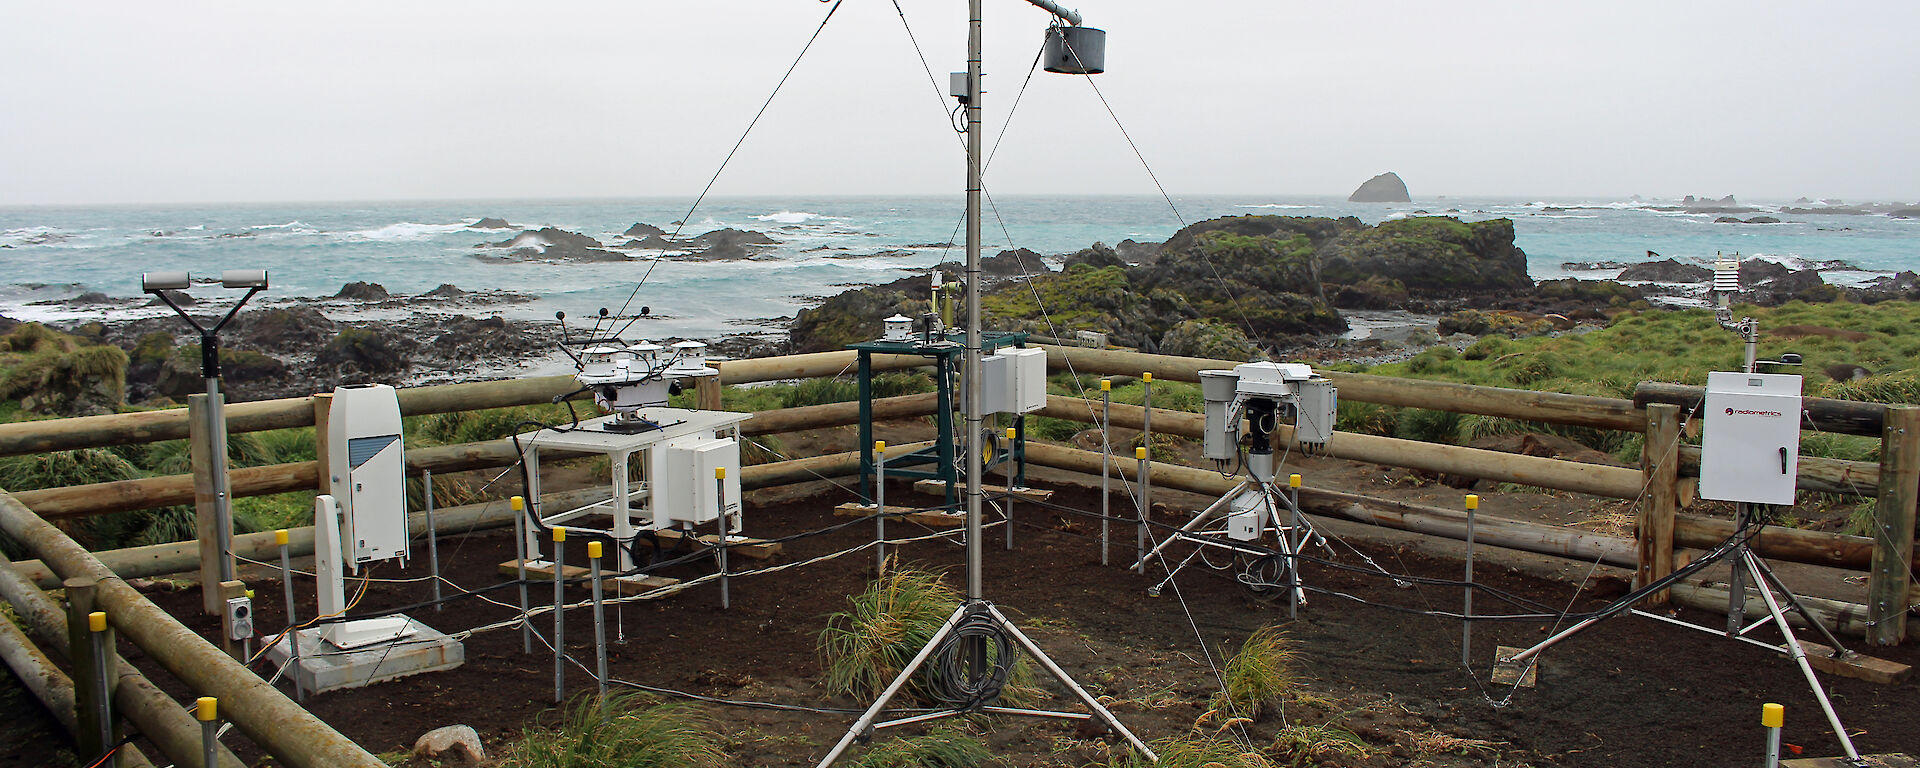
(1076, 50)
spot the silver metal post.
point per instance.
(1773, 717)
(1736, 578)
(293, 635)
(433, 537)
(1295, 540)
(971, 381)
(559, 614)
(599, 619)
(519, 506)
(880, 506)
(1146, 469)
(1140, 528)
(720, 553)
(1466, 599)
(1106, 460)
(1010, 438)
(209, 744)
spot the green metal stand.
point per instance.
(947, 355)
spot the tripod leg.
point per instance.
(893, 689)
(1067, 680)
(1793, 601)
(1736, 581)
(1197, 521)
(1800, 657)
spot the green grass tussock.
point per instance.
(621, 731)
(1259, 675)
(865, 647)
(946, 746)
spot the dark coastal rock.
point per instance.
(1754, 220)
(1905, 213)
(179, 298)
(1903, 286)
(654, 242)
(240, 370)
(446, 291)
(490, 223)
(1795, 285)
(1375, 292)
(730, 236)
(722, 252)
(1137, 253)
(7, 324)
(91, 298)
(1589, 266)
(642, 229)
(279, 329)
(1209, 339)
(361, 291)
(1666, 271)
(1384, 188)
(855, 315)
(1097, 256)
(553, 244)
(360, 352)
(1432, 256)
(1757, 271)
(1847, 372)
(1828, 210)
(1017, 262)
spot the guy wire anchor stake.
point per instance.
(1466, 610)
(1011, 434)
(559, 614)
(880, 507)
(1140, 537)
(519, 505)
(207, 710)
(720, 499)
(599, 618)
(293, 635)
(1106, 461)
(1295, 540)
(1773, 716)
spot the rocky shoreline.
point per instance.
(1242, 287)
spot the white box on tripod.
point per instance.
(1751, 449)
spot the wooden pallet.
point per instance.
(758, 549)
(929, 519)
(937, 487)
(626, 585)
(1855, 665)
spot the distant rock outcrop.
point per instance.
(1665, 271)
(359, 291)
(642, 229)
(490, 223)
(1384, 188)
(553, 244)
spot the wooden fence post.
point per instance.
(206, 507)
(322, 407)
(1893, 526)
(706, 393)
(1660, 465)
(86, 674)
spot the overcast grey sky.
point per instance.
(142, 102)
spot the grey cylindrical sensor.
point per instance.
(1076, 50)
(164, 281)
(244, 278)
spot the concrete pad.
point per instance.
(324, 668)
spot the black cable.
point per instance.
(951, 675)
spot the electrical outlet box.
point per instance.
(684, 482)
(1751, 449)
(1013, 381)
(239, 618)
(1319, 405)
(1246, 516)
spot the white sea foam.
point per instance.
(791, 217)
(401, 232)
(291, 226)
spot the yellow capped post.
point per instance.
(593, 550)
(280, 537)
(519, 503)
(97, 621)
(1473, 501)
(1012, 433)
(206, 709)
(719, 473)
(879, 446)
(1140, 453)
(1147, 377)
(559, 534)
(1106, 385)
(1773, 715)
(1293, 480)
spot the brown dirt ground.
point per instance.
(1630, 691)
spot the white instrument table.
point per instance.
(619, 447)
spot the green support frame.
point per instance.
(947, 355)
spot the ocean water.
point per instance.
(826, 244)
